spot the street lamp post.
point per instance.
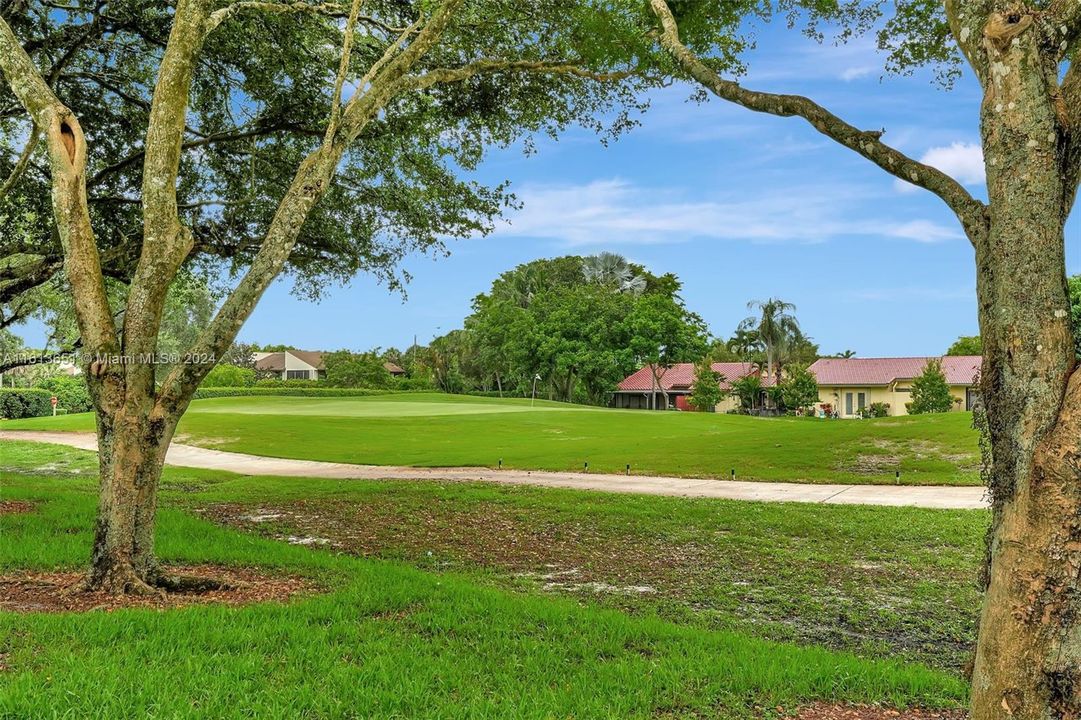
(533, 399)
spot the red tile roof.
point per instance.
(959, 370)
(681, 375)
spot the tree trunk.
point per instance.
(131, 452)
(1028, 658)
(1028, 662)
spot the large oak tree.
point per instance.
(392, 97)
(1024, 55)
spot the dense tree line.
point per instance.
(580, 324)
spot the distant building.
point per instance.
(675, 380)
(850, 385)
(847, 385)
(301, 365)
(291, 365)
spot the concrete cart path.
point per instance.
(926, 496)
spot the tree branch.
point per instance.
(213, 139)
(20, 164)
(970, 211)
(332, 10)
(1065, 17)
(967, 19)
(22, 360)
(343, 71)
(494, 65)
(311, 181)
(166, 241)
(67, 158)
(1070, 118)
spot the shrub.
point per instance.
(277, 382)
(878, 410)
(349, 369)
(18, 403)
(424, 382)
(71, 392)
(799, 389)
(748, 389)
(225, 375)
(930, 391)
(706, 389)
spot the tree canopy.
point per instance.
(966, 345)
(581, 323)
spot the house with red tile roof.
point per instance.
(850, 385)
(847, 386)
(643, 390)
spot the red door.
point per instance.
(681, 403)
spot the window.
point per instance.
(862, 401)
(297, 375)
(848, 403)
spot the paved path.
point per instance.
(963, 498)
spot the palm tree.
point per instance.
(614, 271)
(847, 354)
(743, 342)
(775, 325)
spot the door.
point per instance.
(848, 403)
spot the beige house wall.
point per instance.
(835, 395)
(729, 402)
(294, 363)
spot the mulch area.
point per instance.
(827, 711)
(15, 507)
(59, 591)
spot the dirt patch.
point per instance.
(719, 578)
(59, 591)
(868, 464)
(826, 711)
(15, 507)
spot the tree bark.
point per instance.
(1028, 661)
(131, 455)
(1028, 658)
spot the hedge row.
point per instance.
(24, 402)
(205, 393)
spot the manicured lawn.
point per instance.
(441, 430)
(458, 601)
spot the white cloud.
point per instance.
(805, 59)
(855, 73)
(617, 212)
(961, 161)
(924, 231)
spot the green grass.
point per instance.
(445, 430)
(415, 626)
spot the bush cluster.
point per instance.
(877, 410)
(71, 393)
(18, 403)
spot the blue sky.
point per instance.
(739, 205)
